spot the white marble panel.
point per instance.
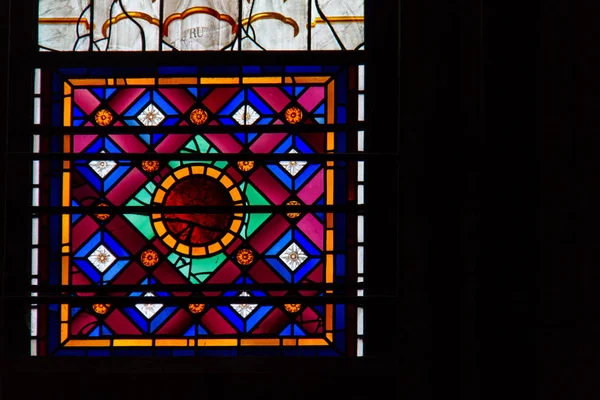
(60, 37)
(37, 81)
(361, 228)
(34, 321)
(359, 347)
(59, 24)
(36, 110)
(34, 261)
(360, 259)
(35, 197)
(275, 25)
(361, 107)
(361, 195)
(360, 328)
(35, 231)
(361, 140)
(130, 26)
(202, 24)
(36, 172)
(361, 77)
(339, 13)
(361, 171)
(61, 8)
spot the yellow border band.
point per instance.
(199, 10)
(65, 20)
(336, 20)
(196, 342)
(130, 14)
(273, 15)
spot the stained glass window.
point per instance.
(198, 210)
(192, 25)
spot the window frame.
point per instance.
(384, 291)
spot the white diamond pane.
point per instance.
(101, 258)
(151, 116)
(293, 167)
(149, 309)
(293, 256)
(246, 115)
(244, 309)
(102, 167)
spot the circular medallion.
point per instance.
(196, 308)
(244, 256)
(198, 116)
(102, 216)
(292, 308)
(293, 115)
(150, 165)
(293, 214)
(197, 233)
(149, 258)
(100, 308)
(103, 117)
(245, 165)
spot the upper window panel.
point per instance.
(198, 25)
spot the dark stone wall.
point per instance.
(494, 291)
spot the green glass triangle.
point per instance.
(197, 145)
(203, 267)
(253, 220)
(196, 270)
(145, 194)
(142, 223)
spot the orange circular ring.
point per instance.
(197, 250)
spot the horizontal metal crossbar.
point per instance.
(185, 300)
(117, 130)
(196, 209)
(195, 288)
(204, 58)
(204, 157)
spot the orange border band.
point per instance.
(194, 169)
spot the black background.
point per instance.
(497, 246)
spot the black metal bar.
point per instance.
(91, 25)
(202, 287)
(161, 16)
(197, 209)
(321, 157)
(132, 59)
(309, 25)
(211, 300)
(153, 209)
(111, 130)
(240, 26)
